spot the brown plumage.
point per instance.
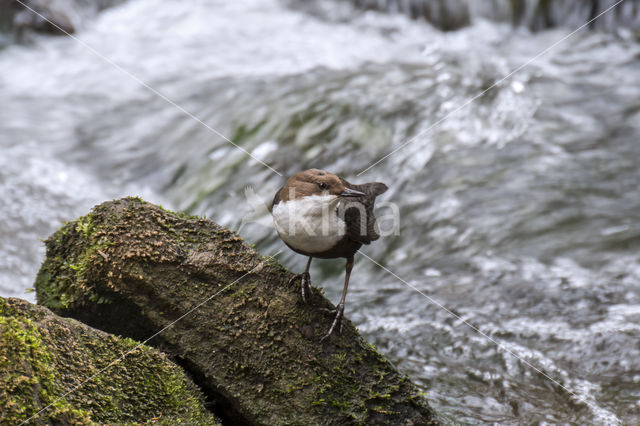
(319, 214)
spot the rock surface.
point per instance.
(534, 14)
(226, 314)
(49, 16)
(43, 358)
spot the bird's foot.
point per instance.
(305, 284)
(337, 321)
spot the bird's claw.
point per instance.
(305, 284)
(337, 320)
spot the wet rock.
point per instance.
(55, 364)
(533, 14)
(226, 313)
(49, 16)
(444, 14)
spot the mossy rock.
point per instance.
(59, 371)
(227, 314)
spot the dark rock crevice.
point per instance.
(215, 401)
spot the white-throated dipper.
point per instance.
(319, 214)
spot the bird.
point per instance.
(320, 215)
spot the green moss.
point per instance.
(60, 290)
(183, 215)
(81, 376)
(27, 370)
(84, 225)
(341, 394)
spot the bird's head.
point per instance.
(316, 182)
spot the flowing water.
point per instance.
(519, 213)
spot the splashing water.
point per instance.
(519, 213)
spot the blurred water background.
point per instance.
(519, 212)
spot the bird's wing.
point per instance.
(357, 212)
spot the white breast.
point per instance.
(309, 224)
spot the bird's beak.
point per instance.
(351, 193)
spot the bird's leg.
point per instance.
(305, 284)
(305, 281)
(340, 307)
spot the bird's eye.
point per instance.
(322, 185)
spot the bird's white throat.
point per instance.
(309, 224)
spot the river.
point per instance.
(519, 212)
